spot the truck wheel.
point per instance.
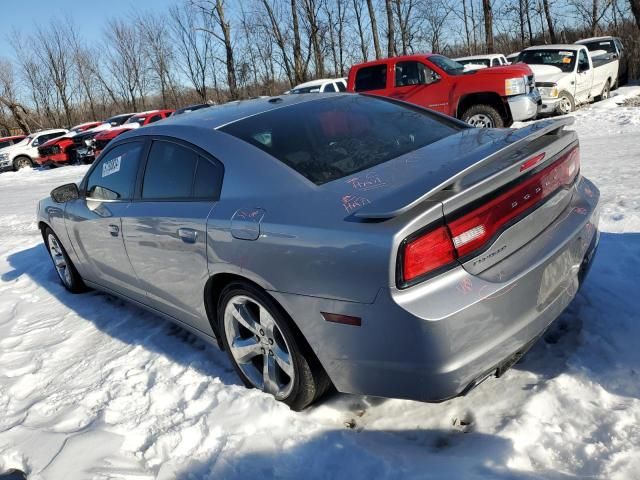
(606, 91)
(567, 104)
(22, 162)
(483, 116)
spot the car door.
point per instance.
(584, 77)
(165, 228)
(94, 221)
(415, 82)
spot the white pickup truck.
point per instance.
(566, 75)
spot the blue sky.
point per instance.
(88, 16)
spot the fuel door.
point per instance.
(245, 223)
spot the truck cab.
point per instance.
(490, 97)
(613, 47)
(567, 75)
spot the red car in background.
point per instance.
(490, 97)
(136, 121)
(61, 150)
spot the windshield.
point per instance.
(449, 66)
(118, 120)
(565, 60)
(313, 89)
(606, 45)
(139, 120)
(476, 61)
(335, 137)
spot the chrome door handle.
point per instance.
(188, 235)
(114, 230)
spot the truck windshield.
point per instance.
(565, 60)
(328, 139)
(449, 66)
(604, 45)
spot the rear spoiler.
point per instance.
(402, 200)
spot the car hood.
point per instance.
(517, 70)
(547, 73)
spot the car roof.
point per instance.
(237, 110)
(557, 46)
(595, 39)
(51, 130)
(474, 57)
(12, 137)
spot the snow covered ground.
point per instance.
(91, 387)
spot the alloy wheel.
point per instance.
(258, 346)
(480, 120)
(565, 105)
(59, 260)
(22, 163)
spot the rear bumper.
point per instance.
(439, 339)
(524, 107)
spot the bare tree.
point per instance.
(547, 14)
(193, 46)
(8, 97)
(357, 11)
(159, 49)
(635, 9)
(488, 24)
(374, 29)
(391, 44)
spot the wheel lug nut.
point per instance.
(271, 341)
(271, 352)
(262, 350)
(261, 332)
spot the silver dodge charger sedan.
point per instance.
(345, 240)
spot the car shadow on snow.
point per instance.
(372, 454)
(596, 336)
(123, 320)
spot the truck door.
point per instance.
(415, 82)
(584, 78)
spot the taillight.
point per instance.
(474, 230)
(426, 254)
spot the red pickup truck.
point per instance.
(490, 97)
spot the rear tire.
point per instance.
(264, 349)
(567, 104)
(67, 273)
(22, 162)
(483, 116)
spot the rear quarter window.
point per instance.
(371, 78)
(328, 139)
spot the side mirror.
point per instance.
(66, 192)
(434, 77)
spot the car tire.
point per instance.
(22, 162)
(66, 270)
(606, 92)
(566, 103)
(483, 116)
(266, 352)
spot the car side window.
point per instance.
(169, 172)
(412, 73)
(341, 86)
(155, 118)
(114, 176)
(583, 61)
(174, 171)
(329, 87)
(371, 78)
(495, 62)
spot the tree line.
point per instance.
(216, 50)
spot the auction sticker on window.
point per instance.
(111, 166)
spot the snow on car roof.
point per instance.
(317, 82)
(595, 39)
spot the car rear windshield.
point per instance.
(334, 137)
(606, 45)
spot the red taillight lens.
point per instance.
(427, 253)
(464, 235)
(473, 230)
